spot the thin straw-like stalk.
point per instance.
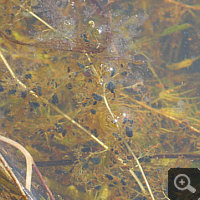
(144, 105)
(29, 164)
(43, 181)
(44, 100)
(9, 170)
(130, 150)
(40, 19)
(119, 129)
(29, 159)
(51, 105)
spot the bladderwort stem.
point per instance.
(111, 113)
(51, 105)
(93, 68)
(129, 149)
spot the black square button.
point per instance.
(184, 184)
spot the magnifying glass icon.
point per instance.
(182, 182)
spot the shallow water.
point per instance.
(126, 72)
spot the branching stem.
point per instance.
(129, 149)
(51, 105)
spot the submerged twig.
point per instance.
(29, 164)
(9, 170)
(43, 181)
(29, 159)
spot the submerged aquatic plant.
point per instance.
(76, 69)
